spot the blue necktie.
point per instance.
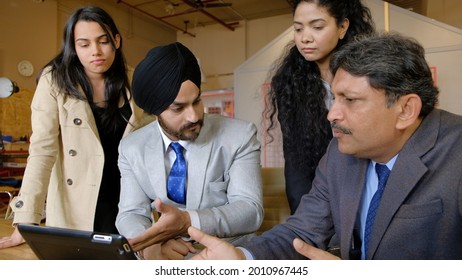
(176, 185)
(382, 172)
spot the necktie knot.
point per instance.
(177, 148)
(382, 173)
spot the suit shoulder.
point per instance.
(222, 121)
(140, 135)
(450, 126)
(450, 119)
(228, 129)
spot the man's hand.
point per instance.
(177, 249)
(10, 241)
(173, 249)
(312, 252)
(171, 224)
(216, 249)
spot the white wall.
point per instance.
(251, 76)
(221, 50)
(443, 47)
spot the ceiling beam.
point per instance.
(191, 4)
(157, 18)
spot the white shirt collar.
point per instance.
(389, 164)
(167, 140)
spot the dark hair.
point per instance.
(296, 95)
(393, 63)
(69, 74)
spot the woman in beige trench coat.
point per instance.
(81, 109)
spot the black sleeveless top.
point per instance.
(109, 192)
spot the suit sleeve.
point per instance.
(134, 206)
(312, 222)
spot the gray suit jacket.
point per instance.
(420, 214)
(224, 179)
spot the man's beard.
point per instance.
(183, 133)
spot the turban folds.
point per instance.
(158, 77)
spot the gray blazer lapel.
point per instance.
(200, 152)
(154, 160)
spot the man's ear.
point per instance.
(410, 106)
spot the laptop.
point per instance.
(52, 243)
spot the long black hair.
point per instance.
(68, 72)
(296, 97)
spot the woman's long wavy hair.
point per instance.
(69, 75)
(296, 97)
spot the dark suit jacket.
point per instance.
(420, 215)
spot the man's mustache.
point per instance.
(189, 125)
(344, 130)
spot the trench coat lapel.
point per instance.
(79, 109)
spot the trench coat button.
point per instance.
(77, 121)
(72, 153)
(69, 182)
(19, 204)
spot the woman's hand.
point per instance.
(10, 241)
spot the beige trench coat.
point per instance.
(65, 163)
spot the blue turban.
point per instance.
(158, 77)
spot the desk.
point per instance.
(21, 252)
(11, 192)
(13, 163)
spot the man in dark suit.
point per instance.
(383, 117)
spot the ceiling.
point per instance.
(184, 15)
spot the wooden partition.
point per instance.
(274, 198)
